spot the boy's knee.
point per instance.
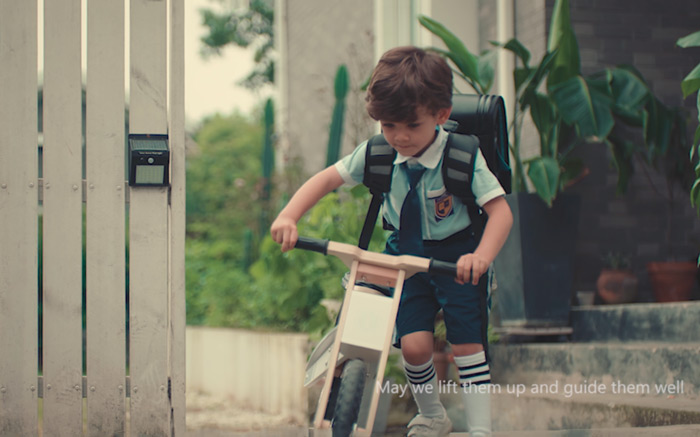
(417, 347)
(465, 349)
(416, 357)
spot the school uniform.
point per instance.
(446, 236)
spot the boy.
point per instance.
(410, 94)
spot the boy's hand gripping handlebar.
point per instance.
(349, 253)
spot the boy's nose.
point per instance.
(402, 136)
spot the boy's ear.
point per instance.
(443, 115)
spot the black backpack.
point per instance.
(476, 121)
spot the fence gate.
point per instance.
(92, 301)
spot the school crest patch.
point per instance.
(443, 206)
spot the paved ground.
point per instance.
(278, 432)
(208, 416)
(666, 431)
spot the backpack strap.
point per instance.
(458, 172)
(379, 166)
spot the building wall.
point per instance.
(529, 28)
(318, 36)
(531, 24)
(315, 37)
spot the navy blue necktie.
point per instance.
(410, 234)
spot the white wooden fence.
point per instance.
(145, 396)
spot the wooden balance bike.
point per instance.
(351, 358)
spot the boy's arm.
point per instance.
(284, 228)
(471, 266)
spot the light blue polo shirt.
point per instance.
(442, 213)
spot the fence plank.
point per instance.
(176, 101)
(148, 219)
(18, 218)
(105, 228)
(62, 250)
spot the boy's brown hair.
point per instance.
(405, 78)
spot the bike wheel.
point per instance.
(347, 407)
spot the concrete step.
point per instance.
(524, 408)
(661, 431)
(545, 412)
(650, 368)
(537, 412)
(672, 322)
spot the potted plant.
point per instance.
(674, 275)
(674, 280)
(666, 149)
(690, 85)
(617, 283)
(568, 110)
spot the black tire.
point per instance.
(347, 407)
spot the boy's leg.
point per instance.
(415, 322)
(463, 320)
(432, 420)
(417, 350)
(475, 382)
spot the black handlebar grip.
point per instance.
(312, 244)
(442, 268)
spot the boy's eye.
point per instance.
(413, 125)
(387, 125)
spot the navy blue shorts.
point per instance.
(424, 295)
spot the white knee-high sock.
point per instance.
(424, 386)
(475, 381)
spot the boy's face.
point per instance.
(412, 139)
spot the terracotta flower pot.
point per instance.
(672, 281)
(617, 286)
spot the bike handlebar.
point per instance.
(436, 267)
(312, 244)
(444, 268)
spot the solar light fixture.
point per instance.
(149, 160)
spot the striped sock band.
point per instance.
(419, 374)
(473, 369)
(424, 388)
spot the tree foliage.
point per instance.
(224, 178)
(251, 27)
(278, 291)
(222, 204)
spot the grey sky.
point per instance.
(210, 85)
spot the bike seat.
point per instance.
(386, 291)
